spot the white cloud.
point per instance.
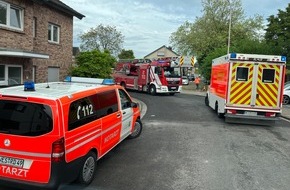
(147, 25)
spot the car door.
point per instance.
(127, 113)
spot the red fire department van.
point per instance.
(54, 133)
(158, 76)
(247, 88)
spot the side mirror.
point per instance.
(134, 105)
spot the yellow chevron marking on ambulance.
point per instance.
(268, 92)
(241, 90)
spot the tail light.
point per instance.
(269, 114)
(232, 111)
(58, 151)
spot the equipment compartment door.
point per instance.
(268, 85)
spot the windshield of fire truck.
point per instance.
(171, 71)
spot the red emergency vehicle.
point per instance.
(247, 87)
(158, 76)
(53, 133)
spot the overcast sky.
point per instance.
(147, 25)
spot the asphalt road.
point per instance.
(184, 146)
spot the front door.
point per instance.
(127, 114)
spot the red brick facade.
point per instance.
(60, 54)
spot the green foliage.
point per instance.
(278, 32)
(94, 64)
(208, 34)
(126, 54)
(205, 66)
(102, 38)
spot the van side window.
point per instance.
(93, 107)
(108, 102)
(125, 100)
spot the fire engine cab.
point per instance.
(53, 133)
(157, 76)
(247, 88)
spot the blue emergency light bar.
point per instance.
(89, 80)
(233, 55)
(29, 86)
(283, 58)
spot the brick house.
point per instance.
(35, 40)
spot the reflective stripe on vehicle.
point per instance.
(22, 153)
(90, 139)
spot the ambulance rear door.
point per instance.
(255, 84)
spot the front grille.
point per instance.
(173, 88)
(173, 82)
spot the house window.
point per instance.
(2, 72)
(11, 16)
(53, 33)
(11, 75)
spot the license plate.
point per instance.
(173, 88)
(251, 113)
(12, 161)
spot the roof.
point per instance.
(161, 48)
(52, 90)
(58, 5)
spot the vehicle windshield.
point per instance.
(172, 71)
(25, 119)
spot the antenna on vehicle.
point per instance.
(47, 84)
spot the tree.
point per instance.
(126, 54)
(94, 64)
(278, 32)
(210, 31)
(102, 38)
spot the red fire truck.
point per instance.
(158, 76)
(247, 87)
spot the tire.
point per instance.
(220, 115)
(206, 101)
(137, 130)
(286, 99)
(88, 169)
(152, 90)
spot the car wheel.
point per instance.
(220, 115)
(206, 101)
(286, 99)
(152, 90)
(88, 169)
(137, 130)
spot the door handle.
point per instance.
(118, 115)
(124, 112)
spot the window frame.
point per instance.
(244, 79)
(50, 30)
(9, 7)
(266, 79)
